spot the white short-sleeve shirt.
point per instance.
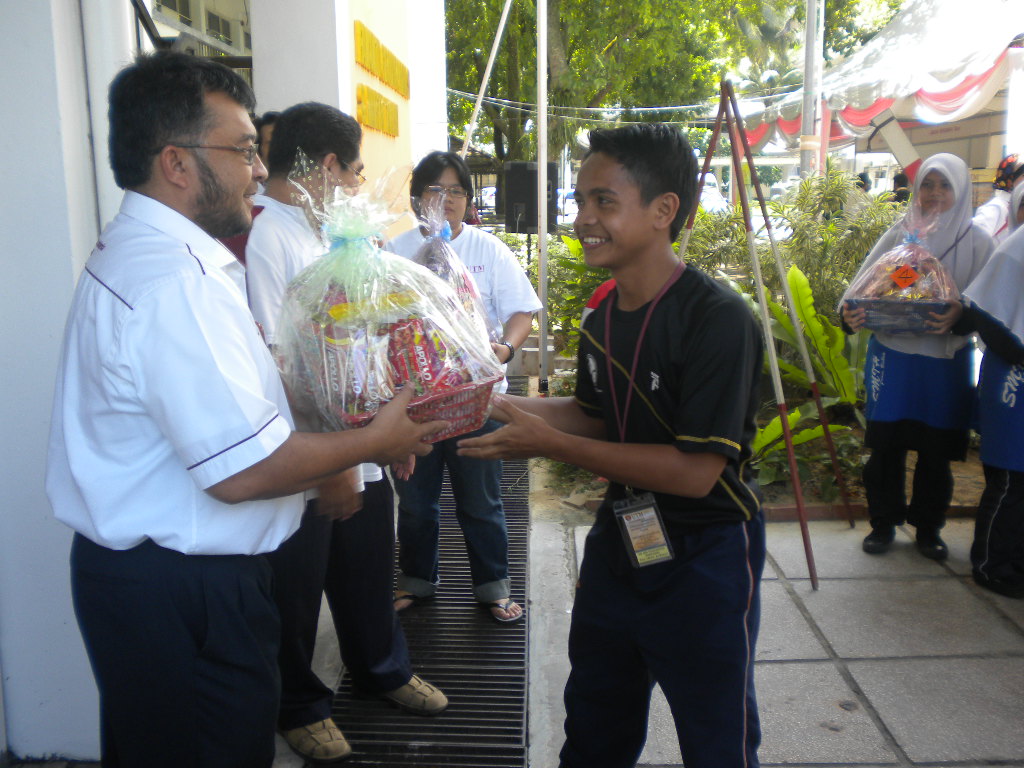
(281, 244)
(164, 388)
(504, 288)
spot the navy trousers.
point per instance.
(183, 648)
(352, 562)
(689, 625)
(998, 548)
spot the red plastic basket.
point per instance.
(464, 408)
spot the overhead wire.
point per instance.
(601, 114)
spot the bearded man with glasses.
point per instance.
(172, 452)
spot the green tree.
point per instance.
(607, 56)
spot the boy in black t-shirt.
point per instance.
(668, 589)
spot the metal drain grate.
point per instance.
(479, 663)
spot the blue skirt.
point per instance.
(916, 402)
(1001, 413)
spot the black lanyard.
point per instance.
(622, 419)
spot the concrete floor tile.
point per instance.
(810, 715)
(958, 534)
(943, 711)
(662, 746)
(785, 633)
(284, 757)
(838, 554)
(871, 618)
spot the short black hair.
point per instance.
(160, 99)
(429, 170)
(267, 118)
(900, 180)
(318, 130)
(658, 159)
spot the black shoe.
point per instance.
(931, 545)
(879, 540)
(1000, 587)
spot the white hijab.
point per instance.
(961, 248)
(999, 289)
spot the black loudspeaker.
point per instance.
(520, 204)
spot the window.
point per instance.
(218, 28)
(176, 7)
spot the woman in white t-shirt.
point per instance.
(511, 302)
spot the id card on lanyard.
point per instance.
(640, 523)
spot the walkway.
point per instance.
(895, 661)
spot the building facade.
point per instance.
(380, 60)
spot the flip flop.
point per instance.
(414, 600)
(503, 606)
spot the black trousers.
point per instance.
(998, 548)
(183, 648)
(689, 625)
(885, 487)
(352, 562)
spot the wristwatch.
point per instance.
(511, 350)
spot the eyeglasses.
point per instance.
(249, 152)
(440, 189)
(360, 179)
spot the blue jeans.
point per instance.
(476, 485)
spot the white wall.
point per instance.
(48, 223)
(428, 109)
(57, 191)
(302, 51)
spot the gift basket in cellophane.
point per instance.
(360, 323)
(906, 284)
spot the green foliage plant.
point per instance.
(832, 227)
(769, 454)
(837, 359)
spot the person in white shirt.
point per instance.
(510, 302)
(993, 216)
(172, 454)
(345, 544)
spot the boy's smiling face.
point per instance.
(612, 222)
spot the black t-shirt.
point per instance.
(696, 388)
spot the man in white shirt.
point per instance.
(172, 454)
(505, 291)
(345, 544)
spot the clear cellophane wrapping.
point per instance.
(360, 323)
(437, 255)
(906, 284)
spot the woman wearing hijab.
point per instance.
(919, 389)
(994, 308)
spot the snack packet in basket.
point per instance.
(905, 284)
(360, 322)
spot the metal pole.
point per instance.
(810, 102)
(741, 131)
(486, 78)
(762, 305)
(542, 187)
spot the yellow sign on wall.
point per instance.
(376, 111)
(380, 62)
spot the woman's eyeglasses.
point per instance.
(441, 189)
